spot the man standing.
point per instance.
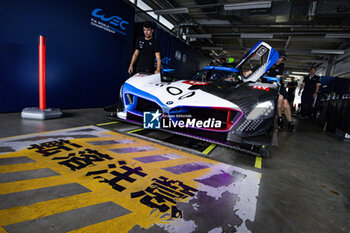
(222, 61)
(277, 71)
(146, 50)
(291, 91)
(310, 85)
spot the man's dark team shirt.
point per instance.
(291, 87)
(310, 84)
(274, 71)
(148, 48)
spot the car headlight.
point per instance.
(262, 110)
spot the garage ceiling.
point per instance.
(312, 33)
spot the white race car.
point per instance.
(219, 104)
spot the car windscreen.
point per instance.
(212, 75)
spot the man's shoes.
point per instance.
(280, 123)
(291, 127)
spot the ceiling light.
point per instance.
(215, 53)
(247, 5)
(327, 51)
(171, 11)
(256, 36)
(297, 76)
(302, 73)
(207, 36)
(337, 36)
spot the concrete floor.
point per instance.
(305, 182)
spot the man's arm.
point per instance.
(317, 89)
(159, 62)
(133, 60)
(247, 73)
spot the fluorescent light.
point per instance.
(143, 6)
(297, 76)
(256, 36)
(215, 53)
(247, 5)
(207, 36)
(166, 23)
(327, 51)
(171, 11)
(337, 36)
(302, 73)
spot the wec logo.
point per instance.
(116, 21)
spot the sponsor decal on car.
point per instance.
(264, 88)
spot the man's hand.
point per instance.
(131, 70)
(157, 71)
(314, 95)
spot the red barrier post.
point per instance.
(42, 72)
(42, 112)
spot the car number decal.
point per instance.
(174, 90)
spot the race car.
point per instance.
(223, 105)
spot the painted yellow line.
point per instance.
(209, 149)
(258, 161)
(100, 192)
(24, 185)
(108, 123)
(46, 208)
(21, 167)
(123, 223)
(135, 130)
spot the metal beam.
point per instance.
(294, 33)
(330, 65)
(313, 61)
(225, 23)
(211, 48)
(299, 66)
(298, 39)
(328, 51)
(341, 68)
(288, 51)
(200, 36)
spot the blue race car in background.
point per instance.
(219, 104)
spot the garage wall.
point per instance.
(86, 51)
